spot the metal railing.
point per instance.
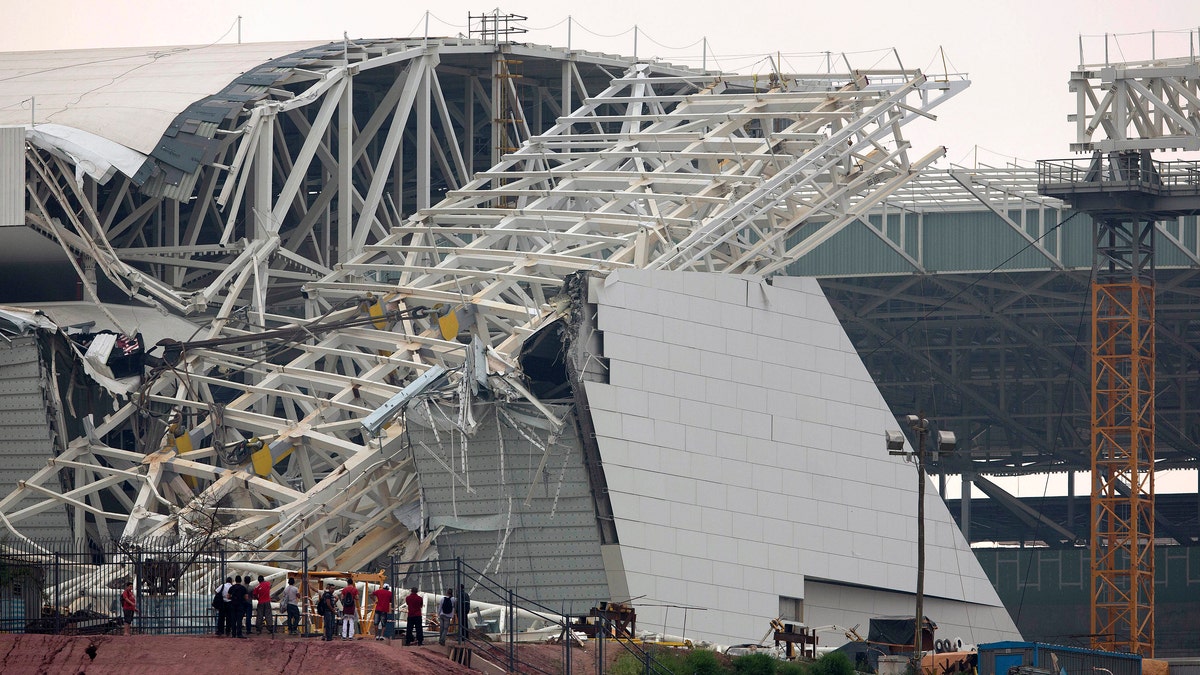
(1159, 176)
(515, 617)
(60, 588)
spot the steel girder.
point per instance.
(1151, 105)
(262, 419)
(330, 148)
(1003, 360)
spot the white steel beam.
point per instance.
(660, 169)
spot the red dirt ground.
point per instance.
(29, 654)
(210, 655)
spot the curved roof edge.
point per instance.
(167, 103)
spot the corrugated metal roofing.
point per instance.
(25, 442)
(550, 550)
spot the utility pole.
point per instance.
(921, 426)
(946, 442)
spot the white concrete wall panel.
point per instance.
(742, 443)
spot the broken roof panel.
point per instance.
(129, 94)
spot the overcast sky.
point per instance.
(1017, 54)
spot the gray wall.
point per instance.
(548, 550)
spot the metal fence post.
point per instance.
(307, 591)
(57, 594)
(603, 633)
(221, 582)
(458, 588)
(137, 575)
(512, 634)
(567, 638)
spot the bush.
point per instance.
(702, 662)
(791, 668)
(833, 663)
(755, 664)
(665, 659)
(626, 664)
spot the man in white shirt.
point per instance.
(291, 602)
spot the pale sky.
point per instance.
(1018, 54)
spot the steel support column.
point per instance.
(423, 139)
(345, 173)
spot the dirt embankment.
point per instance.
(210, 655)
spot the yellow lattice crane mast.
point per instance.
(1140, 107)
(1122, 436)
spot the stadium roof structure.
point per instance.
(130, 95)
(330, 198)
(357, 224)
(411, 266)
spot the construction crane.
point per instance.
(1140, 107)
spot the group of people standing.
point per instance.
(334, 605)
(448, 607)
(233, 602)
(338, 610)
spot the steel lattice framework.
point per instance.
(1142, 105)
(1122, 549)
(1123, 388)
(263, 417)
(1146, 106)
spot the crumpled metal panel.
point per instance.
(513, 515)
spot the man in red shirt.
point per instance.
(416, 617)
(349, 611)
(383, 610)
(262, 593)
(128, 607)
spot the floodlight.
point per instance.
(946, 442)
(895, 442)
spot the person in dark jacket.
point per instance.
(248, 608)
(328, 607)
(416, 617)
(238, 595)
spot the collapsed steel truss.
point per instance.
(272, 425)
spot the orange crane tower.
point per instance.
(1122, 435)
(1117, 190)
(1139, 107)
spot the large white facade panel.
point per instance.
(754, 467)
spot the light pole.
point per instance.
(895, 445)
